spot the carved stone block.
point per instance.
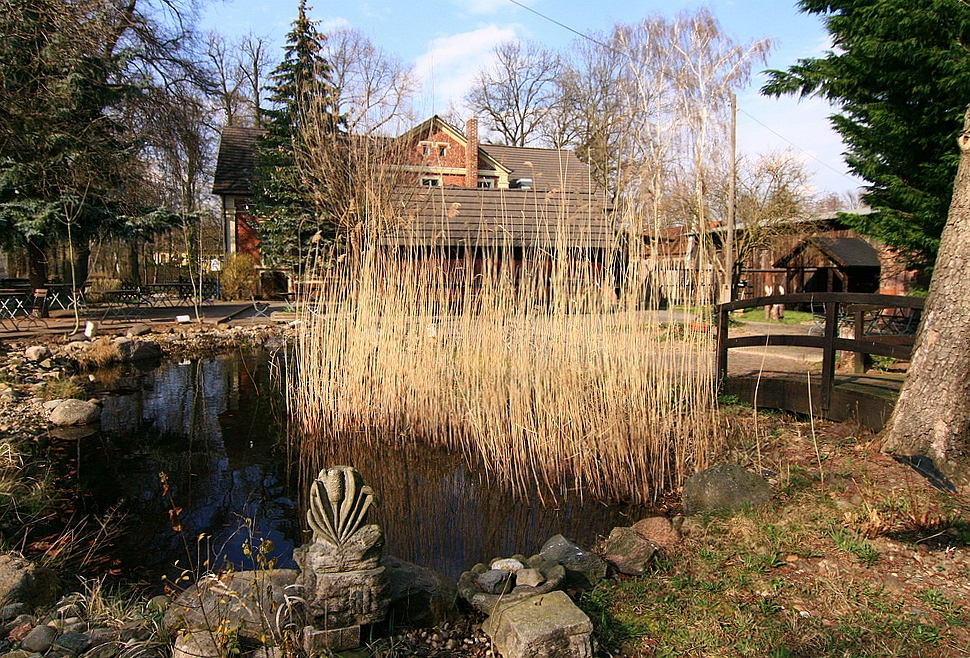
(335, 600)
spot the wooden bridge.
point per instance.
(853, 324)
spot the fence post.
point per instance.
(828, 352)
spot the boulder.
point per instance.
(75, 412)
(130, 350)
(196, 644)
(660, 531)
(245, 601)
(628, 551)
(37, 353)
(418, 595)
(24, 582)
(583, 568)
(544, 626)
(728, 488)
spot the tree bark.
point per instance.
(932, 416)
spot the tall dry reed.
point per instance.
(533, 369)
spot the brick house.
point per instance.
(460, 197)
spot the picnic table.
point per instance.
(126, 304)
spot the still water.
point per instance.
(195, 455)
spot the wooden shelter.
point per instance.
(831, 264)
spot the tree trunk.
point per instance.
(36, 264)
(932, 417)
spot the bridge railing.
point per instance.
(882, 325)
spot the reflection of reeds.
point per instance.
(439, 514)
(531, 368)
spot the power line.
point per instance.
(748, 114)
(562, 25)
(795, 146)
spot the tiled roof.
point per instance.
(237, 158)
(456, 216)
(843, 252)
(549, 169)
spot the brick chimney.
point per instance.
(471, 153)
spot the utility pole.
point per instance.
(727, 288)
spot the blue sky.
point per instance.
(448, 40)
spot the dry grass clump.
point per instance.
(102, 352)
(534, 370)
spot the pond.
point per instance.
(194, 453)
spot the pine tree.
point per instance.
(288, 214)
(899, 72)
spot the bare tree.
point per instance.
(240, 71)
(374, 89)
(516, 94)
(711, 67)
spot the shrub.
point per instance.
(238, 278)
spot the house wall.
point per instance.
(451, 167)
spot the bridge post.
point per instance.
(828, 352)
(722, 350)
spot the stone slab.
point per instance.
(544, 626)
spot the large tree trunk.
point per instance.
(932, 417)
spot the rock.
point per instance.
(39, 639)
(73, 643)
(139, 330)
(240, 598)
(529, 578)
(545, 626)
(323, 642)
(660, 531)
(628, 551)
(22, 581)
(496, 581)
(197, 644)
(75, 412)
(724, 488)
(137, 350)
(19, 632)
(13, 610)
(583, 568)
(552, 575)
(37, 353)
(507, 564)
(418, 595)
(50, 405)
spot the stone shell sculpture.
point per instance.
(339, 501)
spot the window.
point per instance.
(431, 181)
(485, 183)
(426, 149)
(442, 150)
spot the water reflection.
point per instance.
(211, 426)
(437, 513)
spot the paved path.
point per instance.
(63, 323)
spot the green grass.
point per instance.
(731, 600)
(758, 315)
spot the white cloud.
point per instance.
(328, 25)
(447, 70)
